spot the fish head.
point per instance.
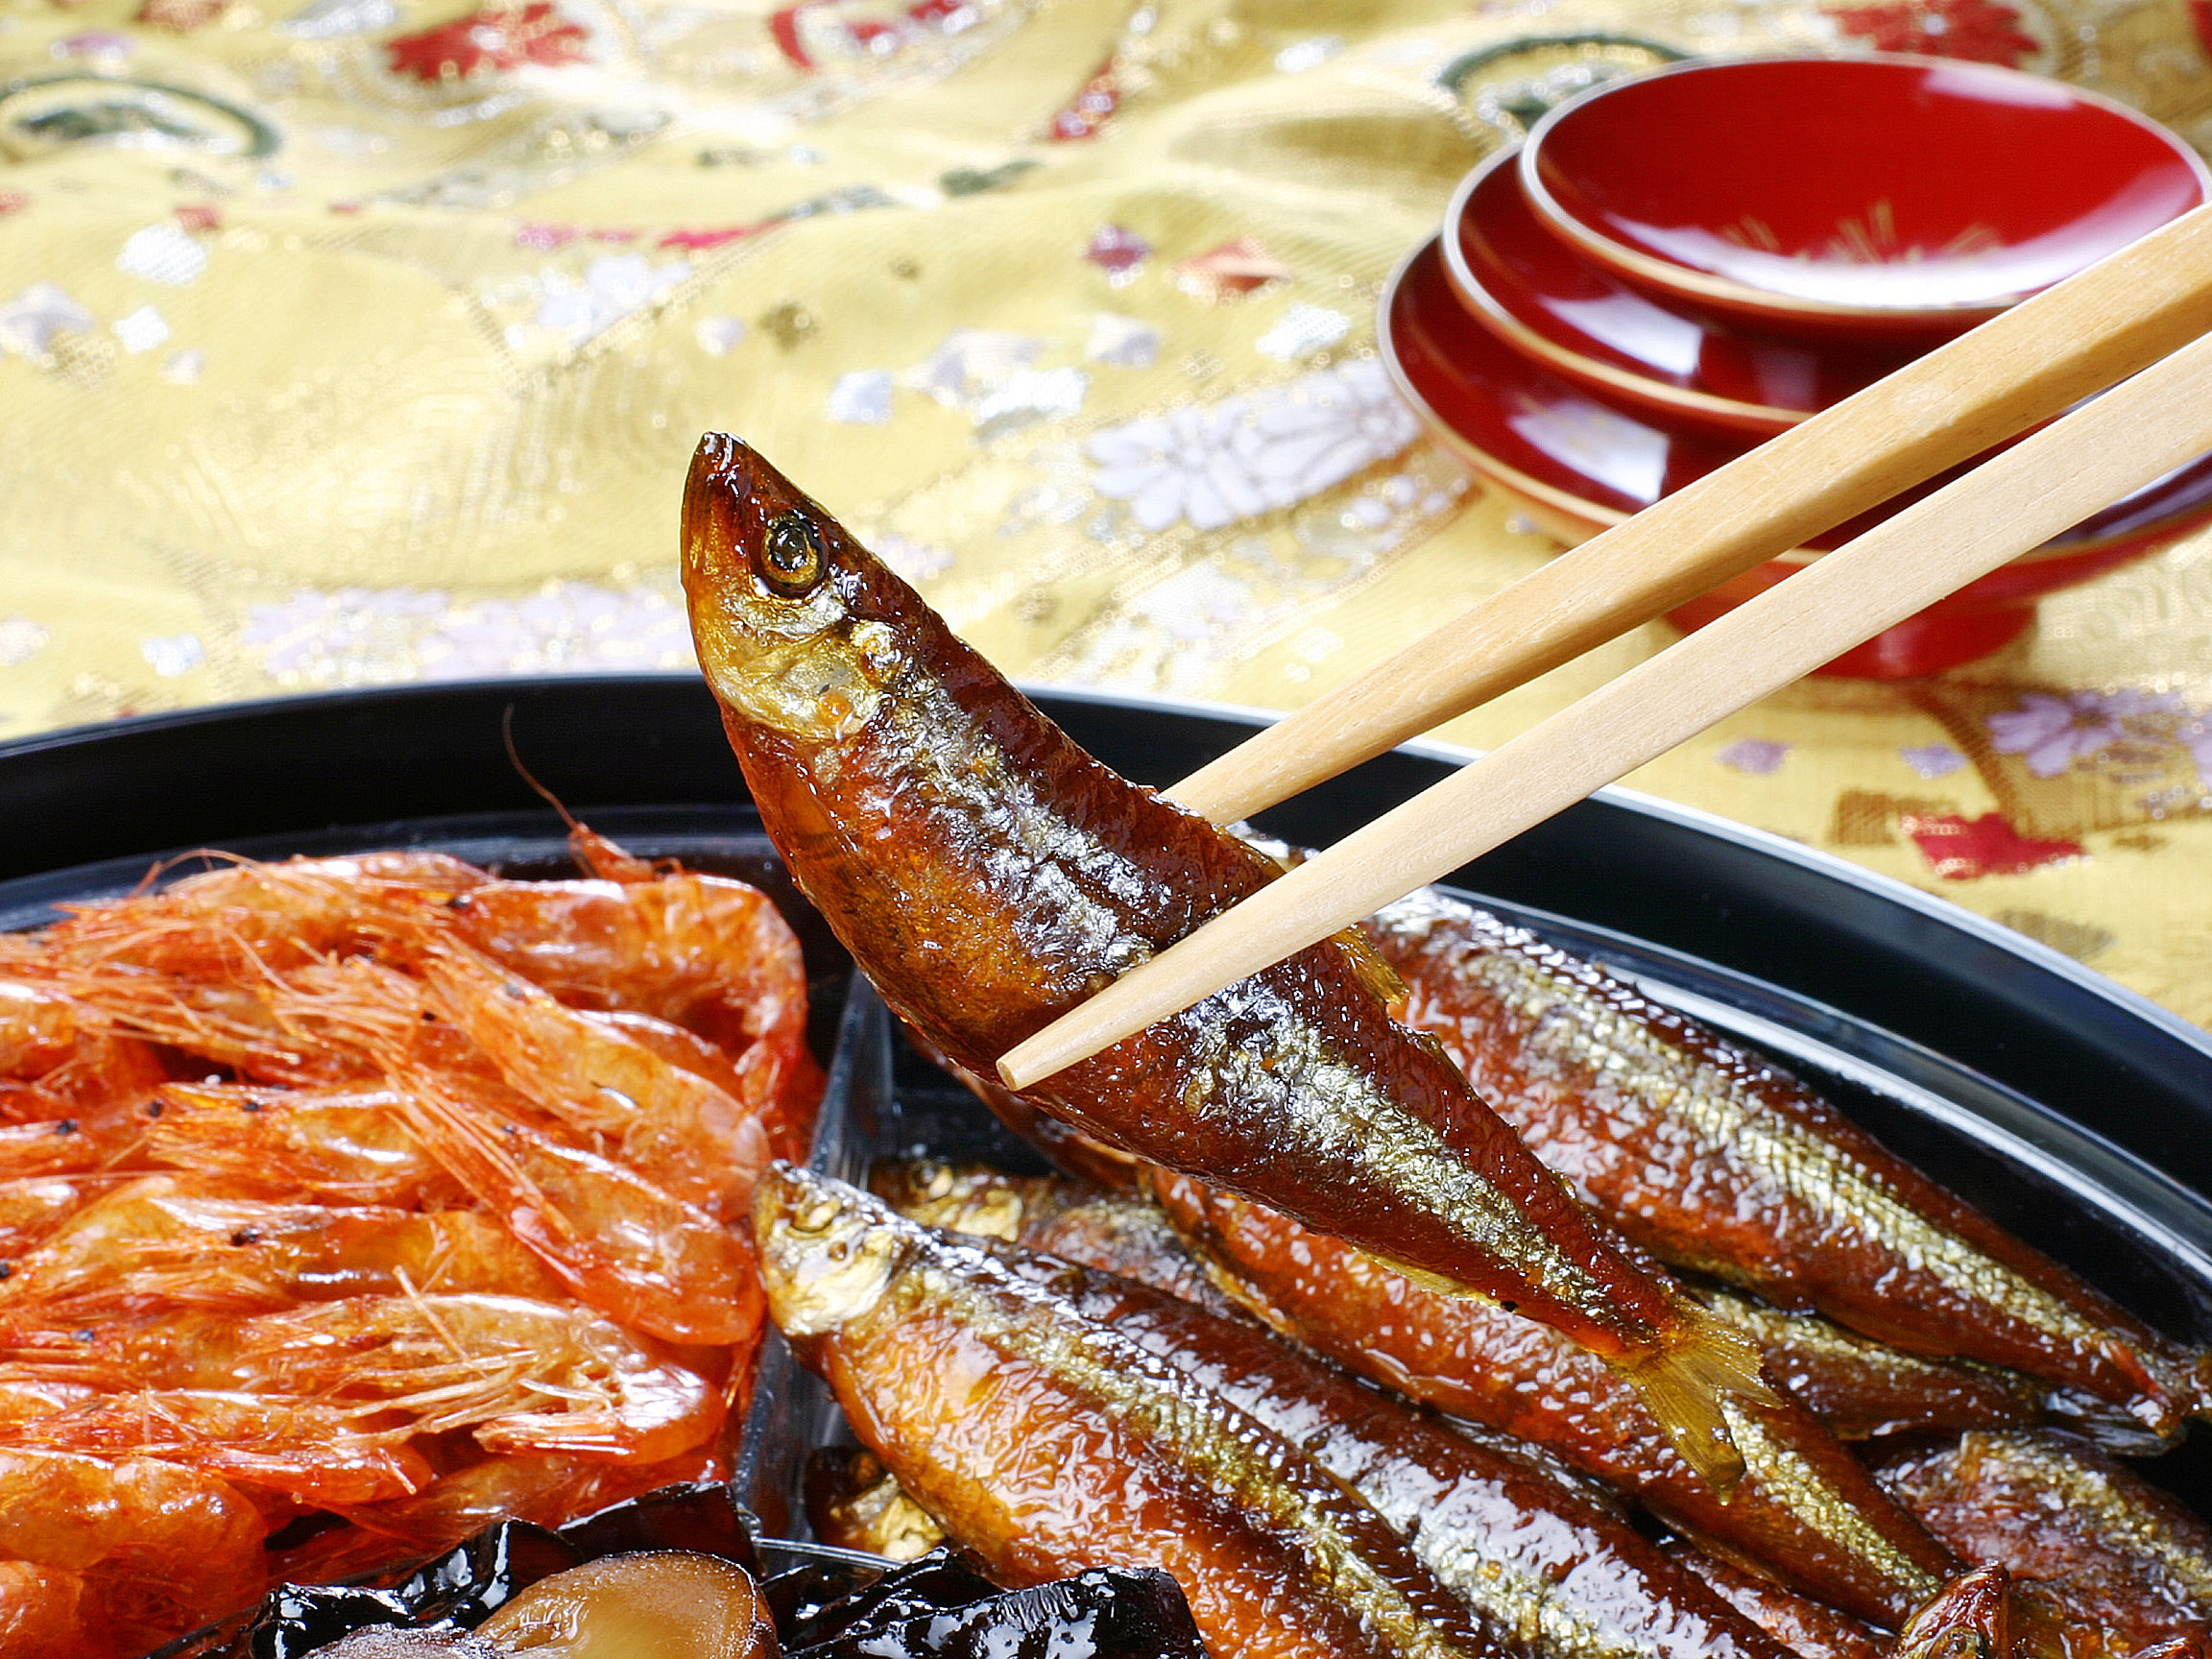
(827, 1251)
(971, 1200)
(795, 621)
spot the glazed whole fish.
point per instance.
(1810, 1629)
(1046, 1444)
(988, 875)
(1133, 1240)
(1859, 1387)
(1712, 1160)
(2060, 1514)
(1805, 1510)
(1552, 1573)
(1970, 1618)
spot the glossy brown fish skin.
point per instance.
(1806, 1510)
(1047, 1444)
(1860, 1388)
(1712, 1160)
(1810, 1629)
(989, 875)
(2065, 1518)
(1113, 1232)
(1553, 1574)
(1970, 1618)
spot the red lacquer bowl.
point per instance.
(1876, 196)
(1538, 295)
(1578, 465)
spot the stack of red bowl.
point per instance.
(1677, 267)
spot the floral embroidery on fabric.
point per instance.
(13, 201)
(1932, 759)
(1124, 342)
(1304, 331)
(817, 32)
(1961, 849)
(163, 253)
(1756, 756)
(495, 40)
(20, 640)
(1117, 251)
(2125, 730)
(377, 636)
(1230, 272)
(615, 285)
(1211, 465)
(182, 16)
(30, 322)
(1982, 31)
(1091, 108)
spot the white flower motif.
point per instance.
(615, 285)
(717, 335)
(1122, 341)
(1304, 331)
(183, 368)
(1301, 56)
(565, 627)
(1028, 395)
(333, 19)
(971, 363)
(28, 321)
(1211, 464)
(376, 635)
(20, 640)
(163, 253)
(861, 398)
(142, 331)
(172, 655)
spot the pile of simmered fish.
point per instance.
(346, 1204)
(1431, 1166)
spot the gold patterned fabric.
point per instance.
(346, 342)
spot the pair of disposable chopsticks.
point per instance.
(2120, 318)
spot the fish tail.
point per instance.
(1686, 1385)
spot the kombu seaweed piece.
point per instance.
(1108, 1613)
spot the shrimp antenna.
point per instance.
(514, 759)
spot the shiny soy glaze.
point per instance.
(988, 875)
(1046, 1444)
(1712, 1160)
(2064, 1517)
(1970, 1618)
(1805, 1510)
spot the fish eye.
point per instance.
(791, 561)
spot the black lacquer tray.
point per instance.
(2076, 1112)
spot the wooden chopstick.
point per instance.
(2009, 504)
(2026, 364)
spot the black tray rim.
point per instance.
(1828, 866)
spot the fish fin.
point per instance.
(1689, 1385)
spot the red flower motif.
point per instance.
(698, 241)
(13, 202)
(1982, 31)
(494, 41)
(1961, 849)
(1117, 251)
(1092, 109)
(200, 218)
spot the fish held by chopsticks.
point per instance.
(989, 875)
(1045, 1443)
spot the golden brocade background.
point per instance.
(346, 342)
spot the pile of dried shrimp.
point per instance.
(346, 1204)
